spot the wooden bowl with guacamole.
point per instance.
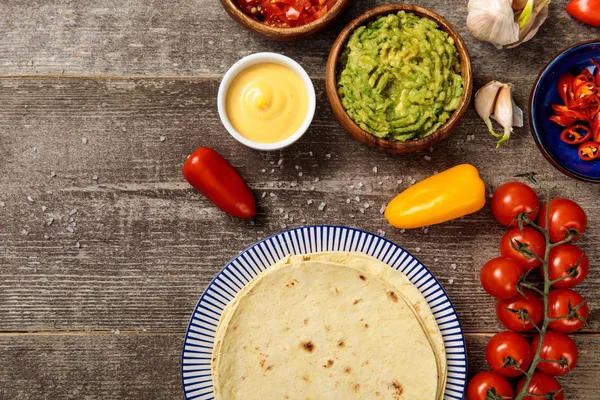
(399, 78)
(280, 21)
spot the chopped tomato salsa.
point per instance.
(286, 13)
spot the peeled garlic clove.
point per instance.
(485, 99)
(503, 112)
(493, 21)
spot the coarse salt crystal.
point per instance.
(402, 230)
(316, 179)
(312, 188)
(357, 199)
(297, 167)
(293, 184)
(264, 195)
(281, 211)
(95, 177)
(283, 226)
(366, 205)
(69, 229)
(44, 208)
(453, 266)
(360, 184)
(361, 211)
(272, 194)
(280, 161)
(309, 202)
(49, 221)
(348, 200)
(409, 178)
(286, 216)
(84, 140)
(77, 245)
(351, 186)
(382, 209)
(272, 162)
(73, 211)
(310, 153)
(431, 149)
(351, 215)
(413, 181)
(380, 183)
(272, 170)
(2, 204)
(425, 230)
(381, 232)
(263, 170)
(30, 199)
(427, 158)
(321, 206)
(52, 174)
(271, 184)
(436, 260)
(375, 170)
(46, 236)
(24, 232)
(451, 281)
(300, 174)
(418, 249)
(399, 181)
(328, 156)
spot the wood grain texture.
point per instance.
(115, 239)
(143, 366)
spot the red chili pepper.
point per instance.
(220, 182)
(596, 129)
(567, 112)
(587, 11)
(597, 64)
(573, 134)
(565, 87)
(562, 120)
(286, 13)
(588, 151)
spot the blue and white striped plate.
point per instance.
(198, 345)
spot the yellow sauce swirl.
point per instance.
(267, 103)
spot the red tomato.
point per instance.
(513, 312)
(556, 346)
(499, 277)
(569, 307)
(486, 385)
(542, 384)
(562, 262)
(505, 348)
(216, 179)
(531, 237)
(565, 214)
(512, 199)
(586, 11)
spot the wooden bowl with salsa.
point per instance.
(390, 96)
(284, 20)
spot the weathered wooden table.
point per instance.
(104, 248)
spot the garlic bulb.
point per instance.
(506, 23)
(495, 100)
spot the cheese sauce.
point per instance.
(267, 103)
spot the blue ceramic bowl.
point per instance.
(545, 132)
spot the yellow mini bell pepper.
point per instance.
(448, 195)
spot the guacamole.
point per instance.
(399, 77)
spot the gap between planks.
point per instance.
(197, 78)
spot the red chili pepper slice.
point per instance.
(562, 120)
(596, 129)
(565, 87)
(573, 134)
(589, 151)
(567, 112)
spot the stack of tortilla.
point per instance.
(333, 326)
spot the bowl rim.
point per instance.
(260, 58)
(309, 28)
(532, 124)
(390, 145)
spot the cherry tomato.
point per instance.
(512, 199)
(485, 385)
(565, 214)
(530, 237)
(556, 346)
(499, 277)
(512, 312)
(542, 384)
(506, 347)
(219, 182)
(562, 262)
(587, 11)
(570, 307)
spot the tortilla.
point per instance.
(320, 330)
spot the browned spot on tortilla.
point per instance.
(287, 329)
(327, 328)
(305, 258)
(366, 326)
(337, 291)
(356, 387)
(306, 378)
(262, 363)
(287, 397)
(329, 364)
(243, 377)
(377, 394)
(398, 389)
(417, 306)
(364, 363)
(245, 348)
(341, 344)
(235, 327)
(348, 370)
(362, 277)
(355, 302)
(270, 367)
(214, 359)
(308, 346)
(306, 321)
(292, 283)
(393, 297)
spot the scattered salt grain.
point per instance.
(44, 208)
(303, 221)
(425, 230)
(435, 172)
(263, 170)
(381, 232)
(366, 205)
(427, 158)
(286, 216)
(409, 178)
(360, 184)
(115, 331)
(453, 266)
(283, 226)
(399, 181)
(281, 211)
(374, 170)
(328, 156)
(280, 161)
(70, 229)
(293, 184)
(49, 221)
(272, 162)
(272, 170)
(380, 183)
(272, 194)
(412, 182)
(300, 174)
(77, 245)
(310, 153)
(73, 211)
(351, 187)
(348, 200)
(402, 230)
(52, 174)
(357, 199)
(263, 195)
(95, 177)
(418, 249)
(361, 211)
(2, 204)
(309, 202)
(431, 149)
(382, 209)
(436, 260)
(451, 281)
(312, 188)
(351, 215)
(321, 206)
(46, 236)
(30, 199)
(84, 140)
(24, 232)
(316, 180)
(297, 167)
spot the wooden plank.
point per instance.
(149, 244)
(197, 38)
(142, 366)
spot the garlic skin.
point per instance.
(495, 100)
(506, 23)
(493, 21)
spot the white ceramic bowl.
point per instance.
(260, 58)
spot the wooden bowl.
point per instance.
(283, 34)
(352, 127)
